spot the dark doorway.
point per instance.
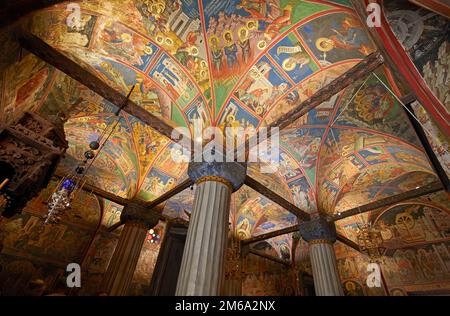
(165, 275)
(307, 285)
(6, 171)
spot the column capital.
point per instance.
(136, 212)
(318, 230)
(232, 172)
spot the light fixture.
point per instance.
(70, 185)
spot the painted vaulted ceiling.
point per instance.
(229, 63)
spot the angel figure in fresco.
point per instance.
(275, 25)
(156, 185)
(256, 8)
(350, 36)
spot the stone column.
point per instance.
(119, 275)
(320, 234)
(202, 266)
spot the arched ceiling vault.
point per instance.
(229, 63)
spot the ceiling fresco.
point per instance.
(421, 220)
(224, 62)
(229, 63)
(253, 214)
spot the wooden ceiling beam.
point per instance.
(13, 10)
(52, 56)
(166, 196)
(359, 72)
(433, 187)
(441, 7)
(156, 204)
(293, 229)
(264, 255)
(98, 192)
(272, 234)
(262, 189)
(348, 242)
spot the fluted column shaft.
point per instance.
(232, 287)
(138, 220)
(119, 275)
(202, 266)
(321, 234)
(325, 272)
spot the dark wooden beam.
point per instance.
(13, 10)
(436, 164)
(358, 72)
(409, 98)
(258, 187)
(272, 234)
(292, 229)
(164, 218)
(104, 194)
(55, 58)
(166, 196)
(264, 255)
(348, 242)
(400, 63)
(99, 192)
(441, 7)
(115, 226)
(433, 187)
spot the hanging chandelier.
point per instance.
(370, 242)
(70, 185)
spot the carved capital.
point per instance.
(233, 172)
(318, 230)
(30, 149)
(137, 213)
